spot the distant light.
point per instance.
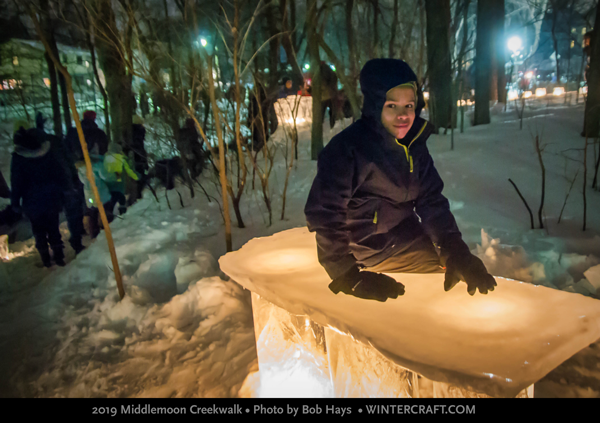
(583, 90)
(461, 103)
(332, 67)
(266, 70)
(47, 81)
(538, 77)
(527, 94)
(515, 44)
(513, 95)
(558, 91)
(426, 95)
(306, 66)
(540, 92)
(203, 42)
(89, 82)
(87, 64)
(529, 75)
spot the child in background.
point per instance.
(115, 163)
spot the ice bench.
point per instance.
(428, 343)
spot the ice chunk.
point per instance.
(593, 277)
(497, 344)
(157, 276)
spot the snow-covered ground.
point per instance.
(184, 330)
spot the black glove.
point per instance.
(470, 269)
(367, 285)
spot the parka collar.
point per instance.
(33, 154)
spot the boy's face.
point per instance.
(288, 84)
(398, 112)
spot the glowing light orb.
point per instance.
(515, 43)
(527, 94)
(529, 75)
(425, 95)
(540, 92)
(583, 90)
(513, 95)
(203, 42)
(558, 91)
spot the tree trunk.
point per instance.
(315, 64)
(375, 4)
(554, 39)
(391, 49)
(118, 82)
(54, 97)
(63, 86)
(500, 51)
(273, 48)
(439, 62)
(421, 61)
(483, 61)
(288, 45)
(592, 105)
(351, 44)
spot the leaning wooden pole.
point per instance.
(86, 155)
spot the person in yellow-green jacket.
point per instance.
(115, 164)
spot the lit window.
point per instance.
(15, 61)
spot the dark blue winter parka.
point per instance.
(37, 179)
(373, 195)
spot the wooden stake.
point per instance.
(86, 155)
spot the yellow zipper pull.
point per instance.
(375, 219)
(411, 164)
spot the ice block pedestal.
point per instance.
(427, 343)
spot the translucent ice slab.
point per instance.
(497, 344)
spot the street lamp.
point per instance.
(514, 44)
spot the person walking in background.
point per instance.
(190, 148)
(4, 190)
(137, 153)
(38, 181)
(115, 163)
(74, 199)
(95, 138)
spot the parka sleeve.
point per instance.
(326, 208)
(16, 182)
(434, 211)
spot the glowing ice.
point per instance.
(498, 344)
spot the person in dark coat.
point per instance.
(38, 180)
(74, 198)
(261, 120)
(137, 152)
(376, 202)
(190, 148)
(4, 190)
(95, 138)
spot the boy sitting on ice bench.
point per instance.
(376, 203)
